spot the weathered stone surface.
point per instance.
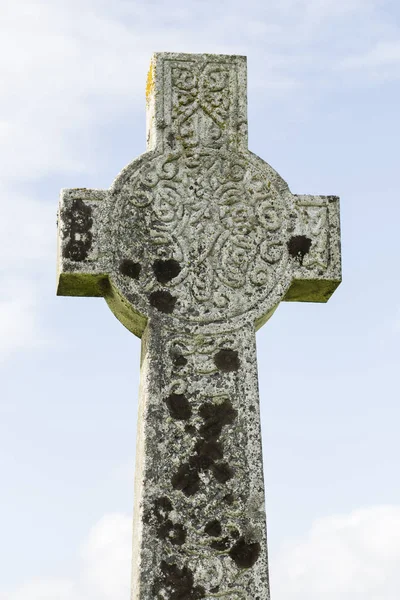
(193, 247)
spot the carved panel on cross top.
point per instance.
(198, 228)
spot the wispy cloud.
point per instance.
(352, 557)
(104, 569)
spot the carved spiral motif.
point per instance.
(217, 216)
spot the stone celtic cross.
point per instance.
(193, 247)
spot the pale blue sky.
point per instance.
(323, 111)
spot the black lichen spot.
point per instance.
(298, 247)
(179, 360)
(130, 268)
(191, 429)
(213, 449)
(171, 140)
(227, 360)
(213, 528)
(186, 479)
(163, 301)
(166, 270)
(245, 554)
(166, 529)
(222, 544)
(215, 416)
(178, 583)
(215, 589)
(200, 462)
(176, 534)
(162, 507)
(222, 472)
(207, 449)
(229, 499)
(78, 223)
(234, 533)
(179, 407)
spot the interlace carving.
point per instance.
(313, 219)
(217, 215)
(200, 103)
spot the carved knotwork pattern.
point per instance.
(313, 220)
(201, 103)
(214, 213)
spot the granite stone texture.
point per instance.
(193, 247)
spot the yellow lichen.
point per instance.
(150, 82)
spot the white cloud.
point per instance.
(107, 558)
(351, 557)
(104, 571)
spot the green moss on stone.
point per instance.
(311, 290)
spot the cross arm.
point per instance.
(314, 248)
(82, 253)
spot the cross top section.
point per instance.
(198, 229)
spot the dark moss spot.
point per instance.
(227, 360)
(190, 429)
(213, 528)
(176, 534)
(178, 583)
(171, 140)
(222, 544)
(166, 270)
(200, 463)
(163, 301)
(179, 360)
(162, 506)
(234, 533)
(104, 285)
(186, 479)
(229, 499)
(179, 407)
(207, 449)
(245, 554)
(164, 529)
(298, 247)
(215, 589)
(212, 449)
(130, 268)
(222, 472)
(78, 223)
(215, 416)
